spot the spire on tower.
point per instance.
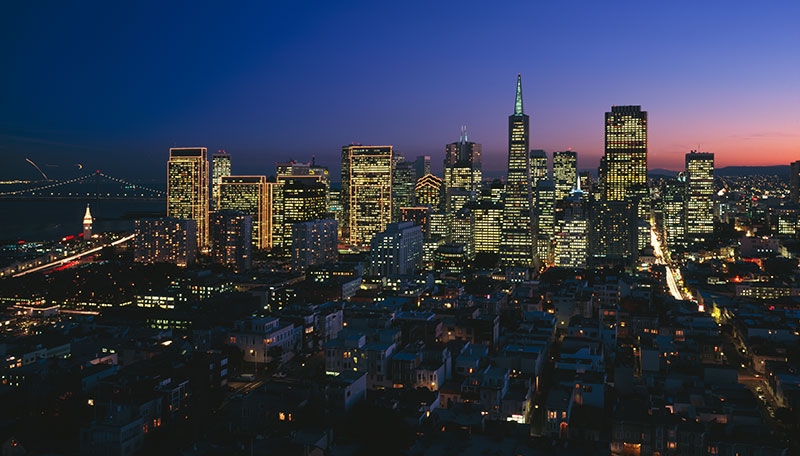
(518, 101)
(87, 218)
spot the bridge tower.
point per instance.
(87, 224)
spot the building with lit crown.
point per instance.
(187, 188)
(366, 192)
(87, 224)
(428, 192)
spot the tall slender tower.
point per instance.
(517, 238)
(87, 224)
(220, 166)
(565, 173)
(187, 188)
(624, 164)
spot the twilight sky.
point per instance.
(113, 85)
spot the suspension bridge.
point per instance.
(97, 186)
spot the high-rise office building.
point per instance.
(794, 182)
(428, 192)
(251, 196)
(545, 213)
(613, 238)
(699, 196)
(487, 218)
(538, 166)
(461, 230)
(572, 236)
(673, 198)
(517, 247)
(396, 250)
(165, 240)
(302, 201)
(586, 182)
(422, 166)
(187, 188)
(314, 242)
(231, 238)
(220, 166)
(462, 172)
(624, 165)
(565, 173)
(366, 192)
(310, 172)
(403, 183)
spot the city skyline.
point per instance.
(701, 97)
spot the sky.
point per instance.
(114, 85)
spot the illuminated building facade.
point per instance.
(487, 218)
(674, 201)
(87, 224)
(313, 243)
(565, 173)
(403, 183)
(165, 240)
(517, 247)
(220, 166)
(545, 212)
(417, 215)
(301, 201)
(397, 250)
(538, 166)
(231, 239)
(624, 164)
(572, 238)
(428, 192)
(250, 196)
(788, 220)
(437, 223)
(461, 230)
(187, 188)
(366, 192)
(699, 196)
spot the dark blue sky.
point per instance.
(113, 86)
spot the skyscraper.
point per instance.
(545, 219)
(699, 195)
(220, 166)
(624, 165)
(794, 181)
(187, 188)
(428, 192)
(250, 196)
(517, 247)
(572, 236)
(538, 166)
(674, 204)
(565, 173)
(462, 172)
(613, 238)
(487, 218)
(422, 166)
(231, 238)
(302, 201)
(403, 183)
(366, 192)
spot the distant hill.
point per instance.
(662, 172)
(779, 170)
